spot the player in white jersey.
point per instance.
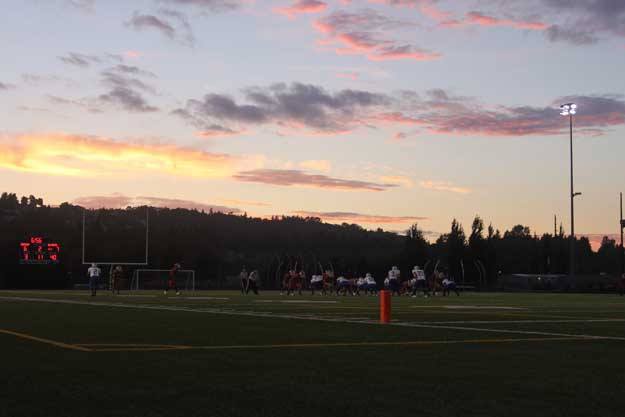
(394, 283)
(371, 287)
(360, 285)
(449, 285)
(420, 282)
(252, 282)
(316, 283)
(343, 285)
(94, 274)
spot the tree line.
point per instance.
(217, 245)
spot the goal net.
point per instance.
(156, 279)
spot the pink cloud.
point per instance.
(366, 33)
(302, 7)
(132, 54)
(351, 217)
(478, 18)
(397, 118)
(289, 178)
(350, 75)
(120, 201)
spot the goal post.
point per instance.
(155, 279)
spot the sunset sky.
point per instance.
(377, 112)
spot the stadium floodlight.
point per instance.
(570, 109)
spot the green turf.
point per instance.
(575, 377)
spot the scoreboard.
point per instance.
(38, 250)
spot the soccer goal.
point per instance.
(155, 279)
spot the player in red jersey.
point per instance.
(171, 282)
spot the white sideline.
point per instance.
(231, 312)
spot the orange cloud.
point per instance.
(245, 202)
(349, 217)
(444, 186)
(79, 155)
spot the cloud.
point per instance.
(90, 105)
(145, 21)
(302, 7)
(350, 75)
(556, 33)
(305, 109)
(481, 19)
(80, 60)
(36, 79)
(132, 54)
(92, 156)
(462, 116)
(351, 217)
(84, 5)
(216, 131)
(208, 5)
(578, 22)
(132, 70)
(317, 165)
(120, 201)
(125, 92)
(444, 186)
(397, 179)
(300, 178)
(294, 105)
(127, 99)
(245, 202)
(366, 33)
(6, 86)
(588, 18)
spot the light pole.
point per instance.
(569, 109)
(622, 251)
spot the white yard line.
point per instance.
(539, 321)
(296, 301)
(311, 318)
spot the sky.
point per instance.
(377, 112)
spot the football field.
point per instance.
(219, 353)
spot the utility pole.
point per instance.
(555, 225)
(622, 251)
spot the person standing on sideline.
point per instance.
(252, 282)
(94, 273)
(117, 276)
(243, 276)
(171, 282)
